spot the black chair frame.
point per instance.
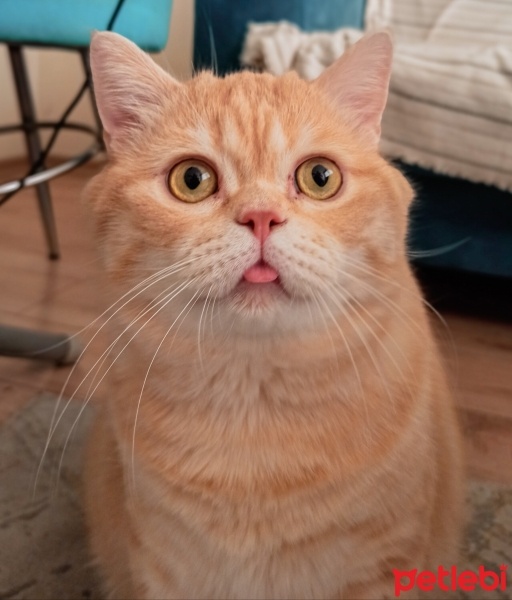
(39, 174)
(15, 341)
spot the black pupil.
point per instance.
(320, 175)
(193, 177)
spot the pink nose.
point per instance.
(261, 222)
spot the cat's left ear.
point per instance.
(129, 87)
(358, 82)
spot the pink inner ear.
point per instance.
(122, 102)
(129, 85)
(358, 81)
(119, 120)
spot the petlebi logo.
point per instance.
(450, 580)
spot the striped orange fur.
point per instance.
(291, 438)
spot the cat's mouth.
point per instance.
(259, 287)
(261, 272)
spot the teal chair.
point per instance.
(66, 25)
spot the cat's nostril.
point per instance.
(250, 223)
(261, 222)
(255, 224)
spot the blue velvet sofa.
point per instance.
(471, 222)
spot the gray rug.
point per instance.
(43, 553)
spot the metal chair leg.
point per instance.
(84, 54)
(33, 145)
(26, 343)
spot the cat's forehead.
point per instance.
(255, 103)
(253, 121)
(241, 90)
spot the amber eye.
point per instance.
(192, 181)
(318, 178)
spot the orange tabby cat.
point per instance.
(278, 423)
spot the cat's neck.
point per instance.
(224, 367)
(228, 408)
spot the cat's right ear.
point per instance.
(359, 80)
(129, 87)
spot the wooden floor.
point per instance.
(65, 296)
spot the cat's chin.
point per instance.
(253, 299)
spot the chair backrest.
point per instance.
(70, 22)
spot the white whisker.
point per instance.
(370, 329)
(320, 311)
(143, 312)
(211, 315)
(166, 301)
(349, 350)
(146, 378)
(199, 328)
(154, 278)
(373, 273)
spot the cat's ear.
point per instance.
(128, 85)
(358, 82)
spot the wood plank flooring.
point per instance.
(65, 295)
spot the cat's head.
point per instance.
(265, 197)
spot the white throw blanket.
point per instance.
(450, 101)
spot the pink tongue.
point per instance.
(261, 273)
